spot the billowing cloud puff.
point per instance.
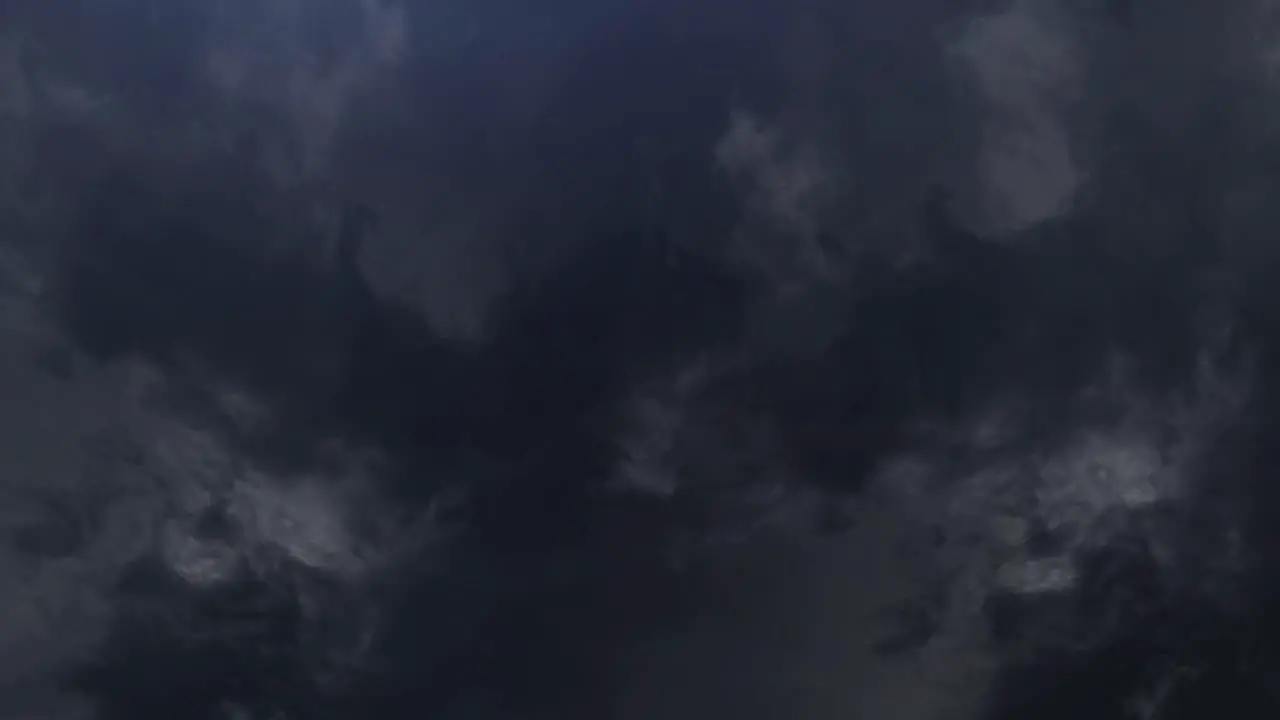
(1024, 63)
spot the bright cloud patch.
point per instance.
(1025, 66)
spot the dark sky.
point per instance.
(637, 360)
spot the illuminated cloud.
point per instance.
(1025, 65)
(1022, 518)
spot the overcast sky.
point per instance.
(628, 359)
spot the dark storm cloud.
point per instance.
(187, 249)
(605, 285)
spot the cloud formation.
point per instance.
(1025, 65)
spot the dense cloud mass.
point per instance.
(636, 360)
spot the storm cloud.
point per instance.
(636, 360)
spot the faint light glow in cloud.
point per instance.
(1026, 67)
(266, 58)
(1086, 490)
